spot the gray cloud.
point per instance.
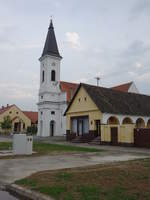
(112, 46)
(141, 7)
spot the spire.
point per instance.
(50, 47)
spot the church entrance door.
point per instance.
(52, 127)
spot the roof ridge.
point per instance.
(117, 91)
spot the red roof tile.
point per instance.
(4, 109)
(123, 87)
(32, 115)
(69, 88)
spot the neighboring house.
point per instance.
(54, 95)
(33, 116)
(106, 113)
(127, 87)
(69, 89)
(20, 121)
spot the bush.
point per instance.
(6, 124)
(32, 129)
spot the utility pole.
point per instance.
(98, 80)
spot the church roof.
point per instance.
(117, 102)
(123, 87)
(69, 88)
(50, 47)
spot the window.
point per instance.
(41, 97)
(17, 113)
(41, 113)
(53, 75)
(43, 76)
(10, 112)
(79, 99)
(52, 112)
(85, 98)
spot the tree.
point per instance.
(6, 124)
(32, 129)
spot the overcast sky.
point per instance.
(106, 38)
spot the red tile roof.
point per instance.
(4, 109)
(33, 116)
(123, 87)
(69, 88)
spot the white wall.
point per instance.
(121, 117)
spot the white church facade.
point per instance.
(52, 101)
(54, 95)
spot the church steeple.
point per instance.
(50, 47)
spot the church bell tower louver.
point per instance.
(52, 101)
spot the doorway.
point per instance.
(98, 128)
(52, 128)
(114, 135)
(17, 126)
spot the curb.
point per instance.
(26, 193)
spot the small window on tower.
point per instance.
(43, 76)
(52, 112)
(41, 97)
(53, 74)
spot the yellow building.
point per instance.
(106, 114)
(19, 120)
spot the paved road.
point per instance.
(13, 169)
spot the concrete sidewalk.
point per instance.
(13, 169)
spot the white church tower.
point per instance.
(52, 102)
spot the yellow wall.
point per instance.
(83, 107)
(20, 117)
(88, 108)
(125, 133)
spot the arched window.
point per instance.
(148, 124)
(113, 120)
(127, 120)
(53, 74)
(140, 123)
(43, 74)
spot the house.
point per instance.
(108, 114)
(127, 87)
(33, 116)
(54, 94)
(20, 121)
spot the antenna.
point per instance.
(98, 80)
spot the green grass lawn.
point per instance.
(122, 181)
(46, 148)
(5, 145)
